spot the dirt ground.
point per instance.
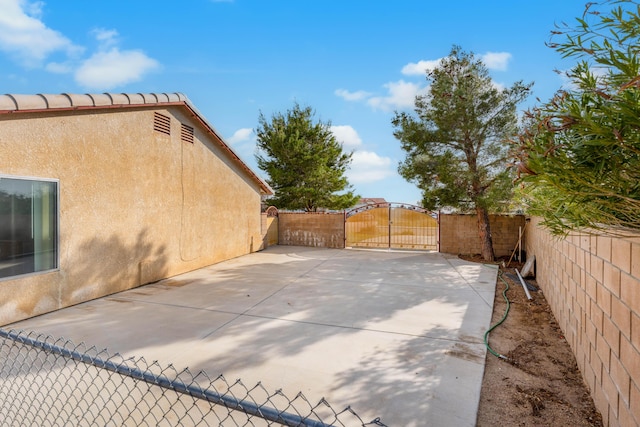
(539, 384)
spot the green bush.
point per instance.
(579, 157)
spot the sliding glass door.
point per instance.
(28, 226)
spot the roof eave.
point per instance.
(23, 104)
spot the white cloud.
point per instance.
(59, 67)
(240, 135)
(111, 67)
(493, 60)
(570, 83)
(107, 38)
(367, 166)
(496, 60)
(26, 37)
(346, 135)
(401, 94)
(498, 86)
(352, 96)
(420, 67)
(34, 9)
(244, 144)
(106, 70)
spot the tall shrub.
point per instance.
(580, 154)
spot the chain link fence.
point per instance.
(53, 382)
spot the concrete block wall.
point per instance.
(592, 283)
(311, 229)
(459, 233)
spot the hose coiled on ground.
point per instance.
(504, 317)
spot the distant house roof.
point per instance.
(15, 104)
(370, 200)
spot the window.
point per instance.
(28, 226)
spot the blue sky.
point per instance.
(354, 61)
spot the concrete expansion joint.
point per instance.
(469, 283)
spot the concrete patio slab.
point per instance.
(397, 335)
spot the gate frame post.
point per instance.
(389, 232)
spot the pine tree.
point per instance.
(305, 163)
(456, 144)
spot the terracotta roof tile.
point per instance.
(13, 103)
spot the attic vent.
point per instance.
(186, 134)
(161, 123)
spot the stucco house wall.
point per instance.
(135, 204)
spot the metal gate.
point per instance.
(391, 225)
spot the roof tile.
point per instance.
(57, 101)
(14, 103)
(7, 103)
(119, 98)
(30, 102)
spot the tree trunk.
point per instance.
(484, 231)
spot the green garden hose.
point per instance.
(504, 317)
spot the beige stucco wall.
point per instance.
(136, 205)
(592, 283)
(269, 230)
(459, 233)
